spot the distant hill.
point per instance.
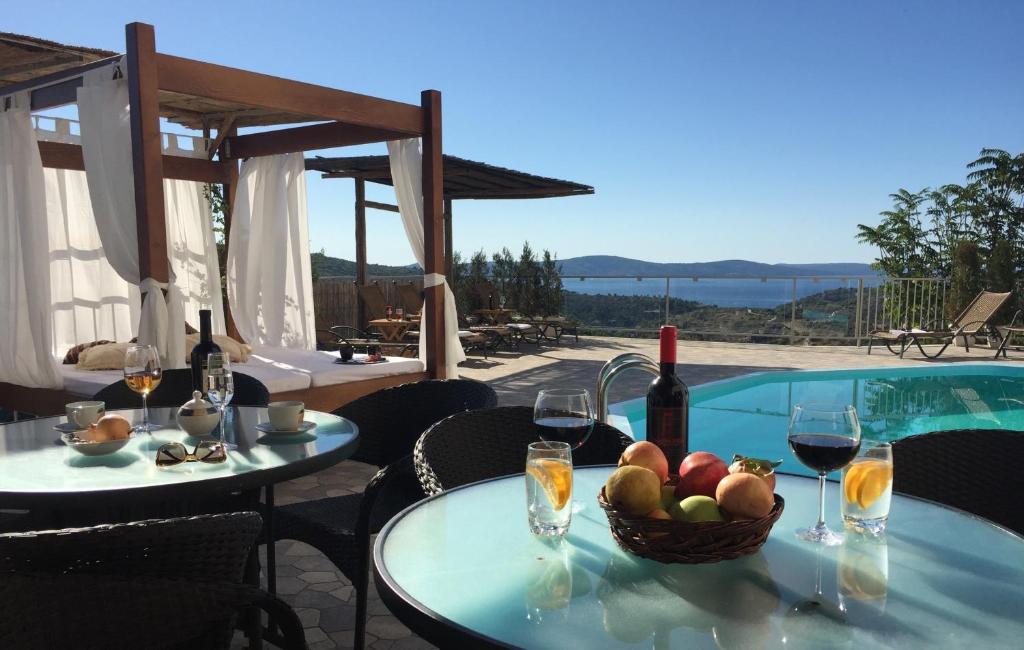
(326, 266)
(612, 265)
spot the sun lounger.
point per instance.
(975, 319)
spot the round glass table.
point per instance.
(37, 470)
(461, 569)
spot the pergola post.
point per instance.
(448, 246)
(147, 152)
(433, 232)
(360, 248)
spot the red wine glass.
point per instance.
(564, 415)
(824, 438)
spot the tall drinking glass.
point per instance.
(549, 488)
(220, 388)
(867, 489)
(142, 374)
(824, 438)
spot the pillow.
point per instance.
(73, 353)
(237, 352)
(109, 356)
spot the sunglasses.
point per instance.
(175, 453)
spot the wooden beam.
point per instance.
(222, 132)
(360, 247)
(433, 232)
(147, 157)
(448, 248)
(379, 206)
(60, 155)
(366, 175)
(57, 88)
(54, 59)
(307, 138)
(202, 79)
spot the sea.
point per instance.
(722, 292)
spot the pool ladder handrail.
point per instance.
(612, 369)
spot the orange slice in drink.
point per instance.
(867, 480)
(555, 477)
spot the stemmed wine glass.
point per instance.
(220, 388)
(142, 374)
(564, 415)
(824, 438)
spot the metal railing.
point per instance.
(758, 308)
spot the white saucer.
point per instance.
(68, 427)
(269, 429)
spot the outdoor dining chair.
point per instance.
(975, 319)
(488, 443)
(390, 420)
(176, 388)
(972, 469)
(169, 583)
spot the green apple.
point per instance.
(696, 509)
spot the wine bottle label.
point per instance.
(666, 427)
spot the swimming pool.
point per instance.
(749, 415)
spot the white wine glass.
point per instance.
(220, 388)
(142, 374)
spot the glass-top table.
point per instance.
(37, 470)
(461, 569)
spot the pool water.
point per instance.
(749, 415)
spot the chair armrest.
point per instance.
(387, 478)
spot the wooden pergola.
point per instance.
(463, 179)
(219, 100)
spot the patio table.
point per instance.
(392, 329)
(462, 570)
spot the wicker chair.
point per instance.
(176, 388)
(390, 421)
(971, 469)
(157, 583)
(473, 446)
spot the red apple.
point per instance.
(699, 473)
(646, 454)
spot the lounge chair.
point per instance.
(974, 319)
(373, 298)
(357, 338)
(412, 298)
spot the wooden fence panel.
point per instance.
(335, 300)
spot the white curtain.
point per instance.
(270, 287)
(89, 300)
(106, 147)
(407, 173)
(192, 251)
(25, 357)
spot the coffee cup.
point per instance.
(82, 414)
(286, 416)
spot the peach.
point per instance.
(646, 454)
(744, 496)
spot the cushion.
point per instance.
(238, 352)
(109, 356)
(72, 355)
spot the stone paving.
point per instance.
(325, 600)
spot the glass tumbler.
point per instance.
(867, 489)
(549, 488)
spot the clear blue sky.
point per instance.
(757, 130)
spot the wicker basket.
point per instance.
(671, 541)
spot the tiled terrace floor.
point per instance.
(325, 599)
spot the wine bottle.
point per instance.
(668, 405)
(201, 352)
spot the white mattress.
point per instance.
(281, 370)
(321, 370)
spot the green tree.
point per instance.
(503, 274)
(459, 283)
(528, 282)
(476, 280)
(965, 282)
(552, 293)
(900, 237)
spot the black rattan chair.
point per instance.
(176, 388)
(971, 469)
(173, 583)
(390, 421)
(470, 447)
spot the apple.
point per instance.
(699, 474)
(756, 466)
(646, 454)
(696, 509)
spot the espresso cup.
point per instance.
(83, 414)
(286, 416)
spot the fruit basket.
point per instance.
(671, 541)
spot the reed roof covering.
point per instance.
(463, 179)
